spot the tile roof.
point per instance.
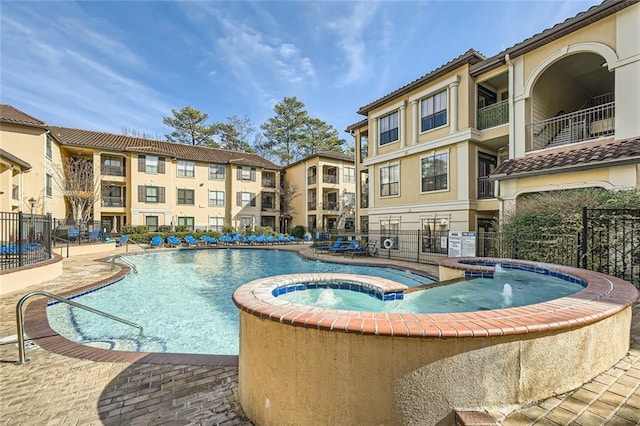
(114, 142)
(15, 160)
(581, 157)
(569, 25)
(334, 155)
(471, 57)
(9, 114)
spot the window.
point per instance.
(186, 196)
(348, 200)
(216, 198)
(216, 172)
(311, 175)
(216, 223)
(49, 147)
(390, 180)
(186, 168)
(150, 164)
(268, 201)
(389, 230)
(152, 223)
(246, 173)
(112, 166)
(150, 194)
(364, 189)
(246, 199)
(268, 179)
(49, 185)
(389, 128)
(187, 222)
(434, 173)
(434, 111)
(246, 222)
(435, 233)
(349, 174)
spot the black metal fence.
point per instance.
(25, 239)
(429, 246)
(610, 242)
(66, 231)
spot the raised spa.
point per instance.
(302, 364)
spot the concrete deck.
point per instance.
(58, 389)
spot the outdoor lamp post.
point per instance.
(32, 203)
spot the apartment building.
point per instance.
(325, 191)
(143, 182)
(457, 147)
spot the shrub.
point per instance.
(298, 232)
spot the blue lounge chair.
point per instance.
(190, 240)
(156, 241)
(337, 243)
(73, 233)
(344, 249)
(122, 241)
(95, 235)
(173, 241)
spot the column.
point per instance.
(373, 137)
(414, 123)
(403, 125)
(453, 87)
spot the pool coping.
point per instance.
(604, 296)
(38, 330)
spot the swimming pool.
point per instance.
(182, 299)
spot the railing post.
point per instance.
(585, 234)
(19, 241)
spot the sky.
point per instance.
(114, 65)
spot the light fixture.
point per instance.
(32, 202)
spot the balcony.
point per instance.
(493, 115)
(112, 170)
(577, 126)
(486, 188)
(329, 178)
(267, 206)
(331, 206)
(311, 205)
(268, 183)
(113, 202)
(311, 179)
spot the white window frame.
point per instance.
(186, 169)
(388, 166)
(217, 175)
(218, 225)
(151, 164)
(430, 101)
(351, 176)
(217, 201)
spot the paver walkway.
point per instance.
(55, 389)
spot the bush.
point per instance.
(298, 232)
(164, 228)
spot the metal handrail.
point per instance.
(125, 260)
(64, 240)
(20, 318)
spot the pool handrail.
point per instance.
(124, 260)
(20, 318)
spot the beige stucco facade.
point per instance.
(514, 106)
(325, 191)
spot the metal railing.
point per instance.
(311, 179)
(63, 241)
(114, 201)
(311, 205)
(113, 171)
(125, 261)
(327, 178)
(585, 124)
(493, 115)
(25, 239)
(20, 318)
(486, 188)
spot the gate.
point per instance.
(610, 242)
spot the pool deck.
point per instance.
(67, 389)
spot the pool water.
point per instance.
(182, 299)
(509, 288)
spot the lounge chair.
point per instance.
(344, 249)
(73, 233)
(337, 243)
(156, 242)
(190, 240)
(95, 235)
(174, 241)
(122, 241)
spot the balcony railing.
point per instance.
(329, 178)
(268, 183)
(113, 202)
(311, 205)
(267, 206)
(331, 206)
(493, 115)
(311, 179)
(112, 171)
(485, 188)
(585, 124)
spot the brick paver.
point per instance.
(55, 389)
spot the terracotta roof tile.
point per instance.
(590, 155)
(113, 142)
(9, 114)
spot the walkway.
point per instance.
(56, 389)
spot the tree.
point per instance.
(235, 133)
(137, 133)
(79, 185)
(319, 136)
(285, 195)
(285, 130)
(190, 127)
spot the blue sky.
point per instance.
(125, 64)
